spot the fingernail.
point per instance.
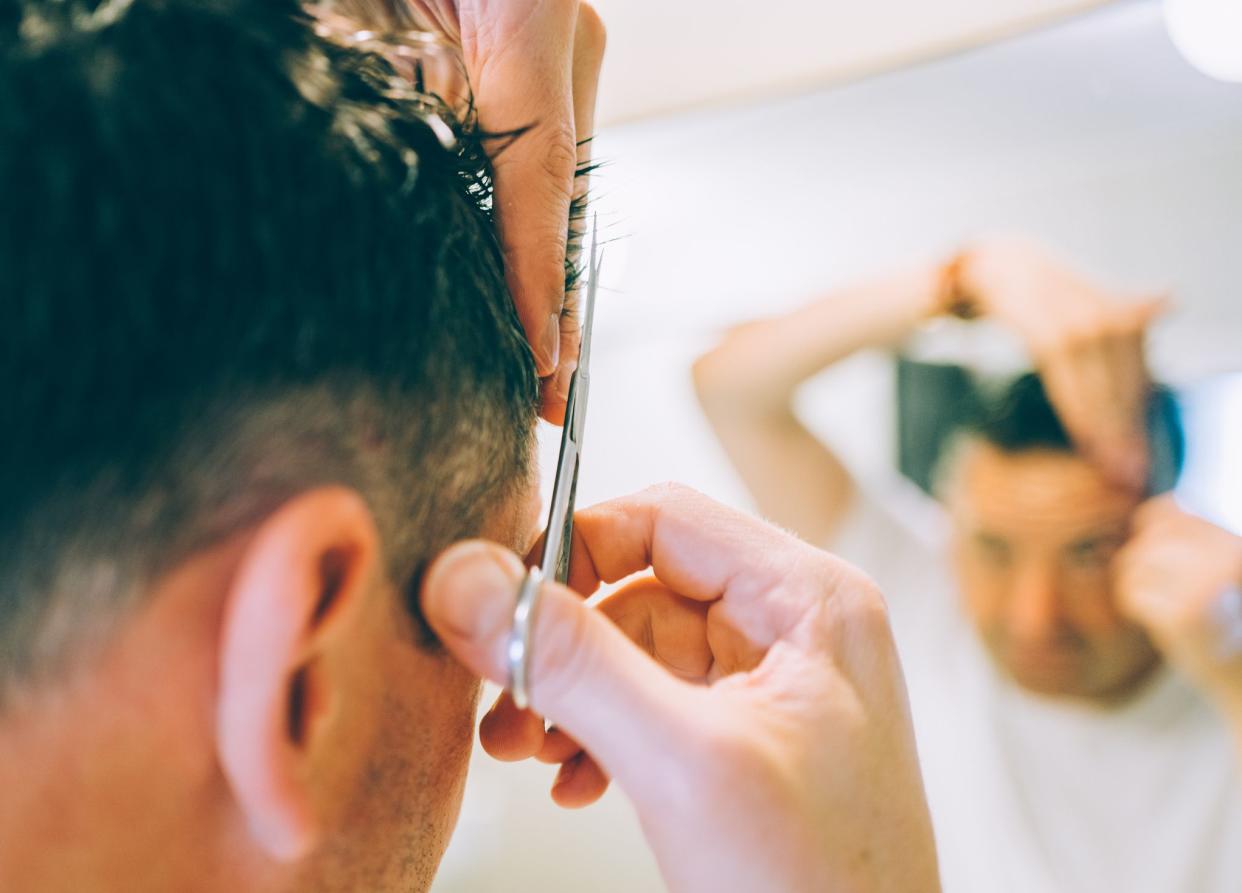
(469, 592)
(550, 344)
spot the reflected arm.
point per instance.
(747, 385)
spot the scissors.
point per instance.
(554, 562)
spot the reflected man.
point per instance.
(1059, 752)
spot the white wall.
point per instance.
(1093, 135)
(669, 56)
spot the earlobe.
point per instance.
(301, 584)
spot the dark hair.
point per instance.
(938, 403)
(1021, 417)
(1017, 417)
(234, 264)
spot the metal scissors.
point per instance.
(554, 562)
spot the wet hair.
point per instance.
(235, 263)
(1020, 417)
(941, 406)
(1017, 417)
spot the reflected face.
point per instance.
(1034, 535)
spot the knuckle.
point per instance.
(857, 600)
(671, 491)
(867, 607)
(559, 158)
(874, 617)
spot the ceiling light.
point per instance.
(1209, 34)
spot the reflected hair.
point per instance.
(943, 406)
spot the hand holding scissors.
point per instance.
(745, 694)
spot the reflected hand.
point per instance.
(1088, 346)
(1180, 576)
(759, 725)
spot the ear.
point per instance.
(300, 585)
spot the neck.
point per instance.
(108, 772)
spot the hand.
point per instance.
(534, 66)
(1181, 577)
(760, 725)
(1087, 344)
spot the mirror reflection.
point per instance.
(973, 325)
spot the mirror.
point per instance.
(1093, 137)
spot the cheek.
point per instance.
(983, 589)
(1088, 602)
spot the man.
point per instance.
(251, 311)
(1035, 604)
(262, 366)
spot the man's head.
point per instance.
(1035, 529)
(260, 367)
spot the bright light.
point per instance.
(1209, 34)
(1211, 482)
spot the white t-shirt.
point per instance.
(1031, 794)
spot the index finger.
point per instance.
(693, 544)
(534, 186)
(526, 88)
(1101, 405)
(768, 579)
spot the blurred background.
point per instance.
(751, 164)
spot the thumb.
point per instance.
(585, 675)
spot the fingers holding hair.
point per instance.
(1098, 382)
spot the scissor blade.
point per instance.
(588, 314)
(557, 540)
(563, 486)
